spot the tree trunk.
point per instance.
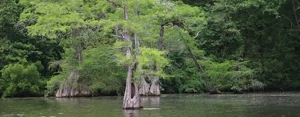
(154, 89)
(144, 87)
(209, 87)
(131, 98)
(161, 37)
(72, 87)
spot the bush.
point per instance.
(18, 79)
(229, 75)
(184, 78)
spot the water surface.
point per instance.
(181, 105)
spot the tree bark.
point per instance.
(131, 98)
(144, 87)
(72, 87)
(154, 88)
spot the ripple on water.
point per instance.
(151, 108)
(248, 105)
(20, 115)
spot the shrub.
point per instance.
(18, 79)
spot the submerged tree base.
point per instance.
(61, 93)
(144, 87)
(132, 103)
(132, 99)
(72, 87)
(154, 88)
(215, 91)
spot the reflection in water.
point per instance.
(131, 113)
(153, 102)
(149, 103)
(183, 105)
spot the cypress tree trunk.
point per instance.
(72, 87)
(131, 98)
(144, 87)
(154, 88)
(143, 84)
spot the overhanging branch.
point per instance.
(114, 3)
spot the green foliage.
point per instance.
(67, 19)
(75, 21)
(18, 79)
(22, 56)
(9, 10)
(149, 58)
(192, 86)
(55, 81)
(229, 74)
(100, 71)
(183, 76)
(240, 44)
(66, 65)
(194, 82)
(258, 31)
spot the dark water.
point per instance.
(183, 105)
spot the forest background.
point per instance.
(87, 47)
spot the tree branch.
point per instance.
(114, 3)
(292, 24)
(120, 37)
(298, 2)
(295, 14)
(197, 35)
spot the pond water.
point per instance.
(181, 105)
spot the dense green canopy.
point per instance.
(230, 45)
